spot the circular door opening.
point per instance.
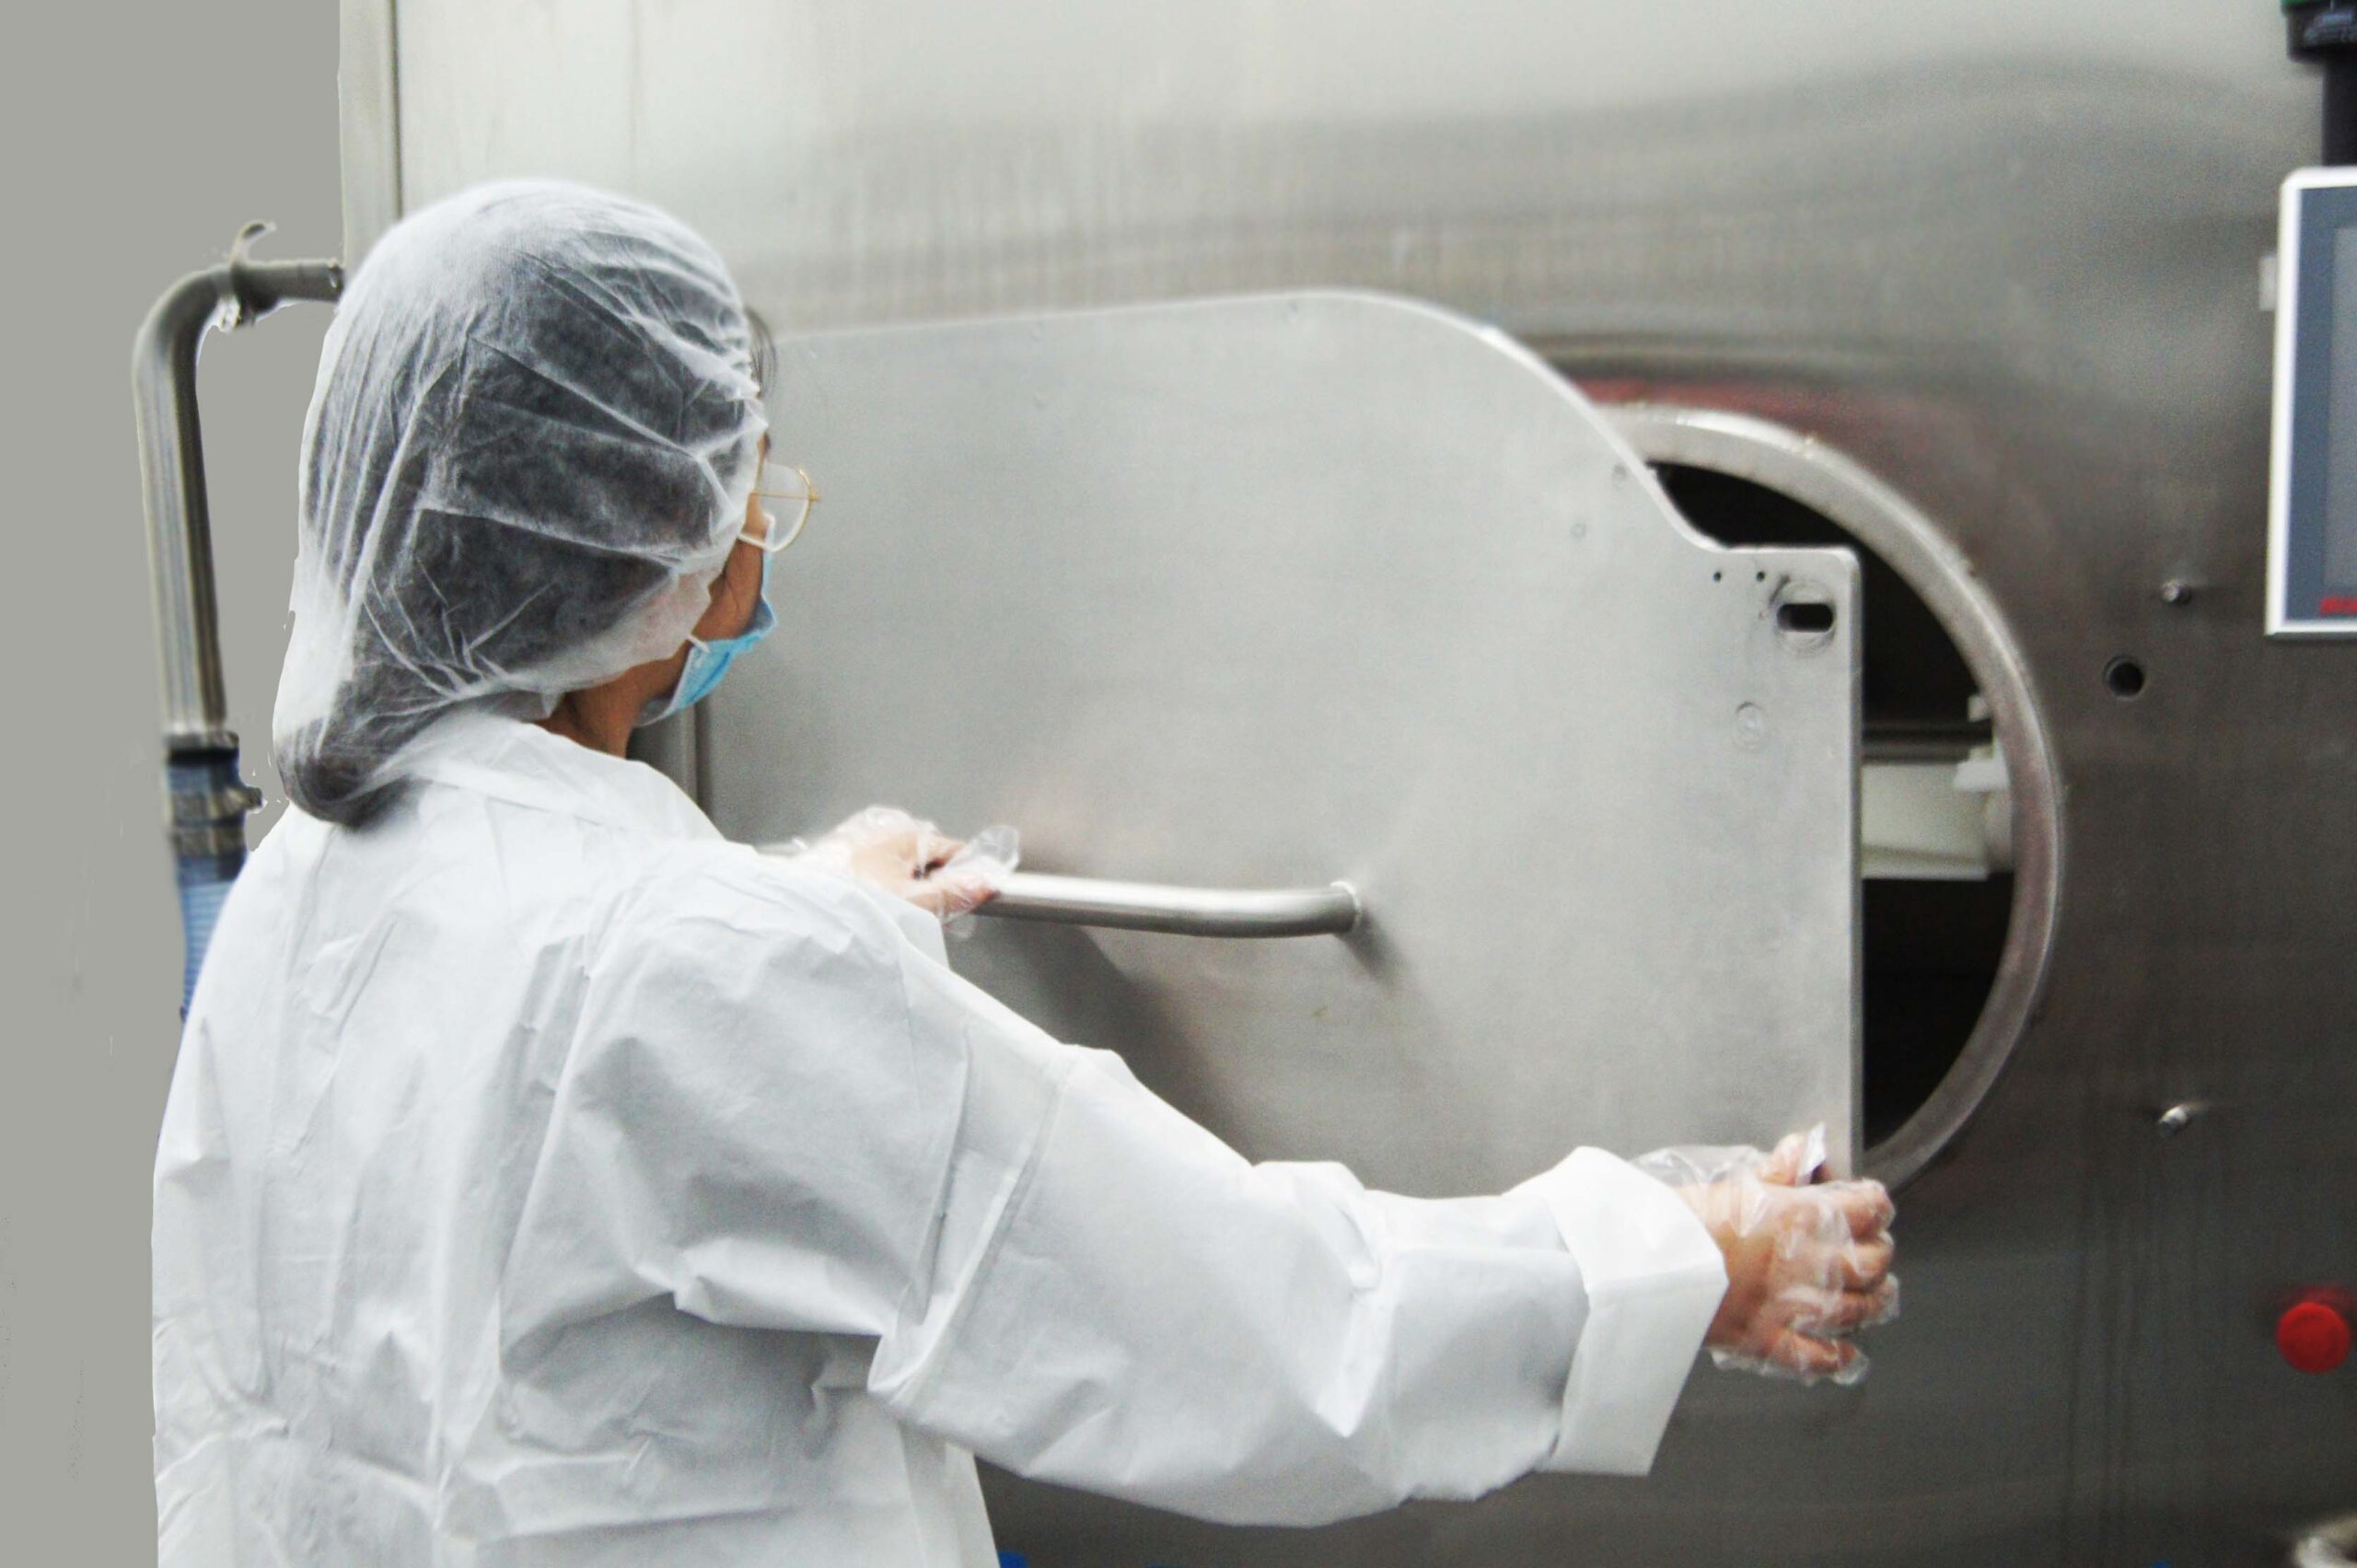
(1932, 925)
(1959, 847)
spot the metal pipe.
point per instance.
(208, 799)
(2323, 32)
(172, 472)
(2341, 110)
(1332, 910)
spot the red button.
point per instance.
(2313, 1336)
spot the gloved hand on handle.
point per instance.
(1809, 1262)
(915, 860)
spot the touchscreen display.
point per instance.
(2340, 517)
(2312, 571)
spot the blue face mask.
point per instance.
(707, 662)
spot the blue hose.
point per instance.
(202, 891)
(209, 803)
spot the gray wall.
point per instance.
(138, 138)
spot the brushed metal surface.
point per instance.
(1256, 593)
(2005, 258)
(369, 131)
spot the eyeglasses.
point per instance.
(789, 488)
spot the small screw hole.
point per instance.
(2125, 678)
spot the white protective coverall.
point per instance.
(547, 1181)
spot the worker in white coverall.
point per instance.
(547, 1181)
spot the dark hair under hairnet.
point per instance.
(527, 456)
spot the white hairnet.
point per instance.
(535, 428)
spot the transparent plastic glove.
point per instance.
(915, 860)
(1809, 1262)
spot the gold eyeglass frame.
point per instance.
(789, 486)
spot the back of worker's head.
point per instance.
(527, 458)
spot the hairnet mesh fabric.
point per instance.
(527, 453)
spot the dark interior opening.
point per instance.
(1931, 949)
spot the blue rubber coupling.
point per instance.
(202, 892)
(208, 804)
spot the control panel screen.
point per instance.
(2312, 561)
(2341, 484)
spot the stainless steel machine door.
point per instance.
(1274, 592)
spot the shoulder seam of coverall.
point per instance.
(919, 1288)
(919, 1378)
(887, 952)
(596, 939)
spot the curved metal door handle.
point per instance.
(1184, 912)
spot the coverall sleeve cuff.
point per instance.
(1654, 1279)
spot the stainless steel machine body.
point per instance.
(1317, 588)
(2005, 261)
